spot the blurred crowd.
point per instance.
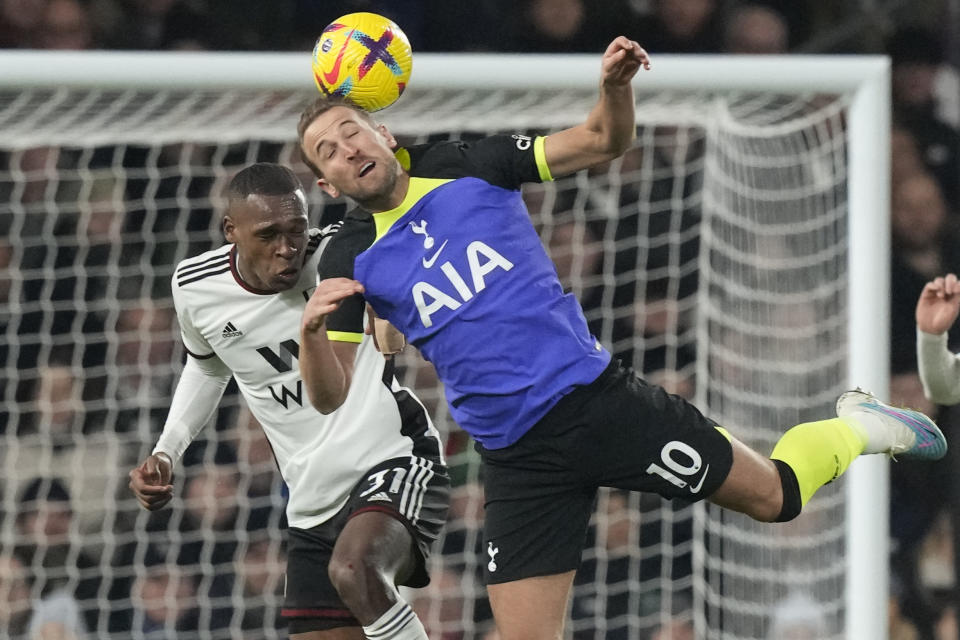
(662, 26)
(89, 238)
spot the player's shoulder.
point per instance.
(455, 158)
(347, 239)
(204, 266)
(502, 160)
(356, 227)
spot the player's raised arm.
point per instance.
(326, 366)
(610, 127)
(937, 310)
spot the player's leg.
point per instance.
(514, 604)
(695, 462)
(311, 607)
(812, 454)
(395, 513)
(340, 633)
(343, 572)
(373, 554)
(538, 508)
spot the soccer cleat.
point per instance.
(914, 435)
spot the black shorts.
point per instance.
(618, 431)
(414, 490)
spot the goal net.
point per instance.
(714, 257)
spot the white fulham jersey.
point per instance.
(255, 334)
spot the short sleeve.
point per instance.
(508, 161)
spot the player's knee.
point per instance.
(353, 576)
(767, 504)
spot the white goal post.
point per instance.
(862, 80)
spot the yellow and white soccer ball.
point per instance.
(364, 57)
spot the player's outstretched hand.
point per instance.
(621, 61)
(939, 304)
(325, 299)
(152, 482)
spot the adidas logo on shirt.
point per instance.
(230, 331)
(379, 497)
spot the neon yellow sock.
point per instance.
(819, 452)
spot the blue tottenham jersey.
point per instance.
(460, 270)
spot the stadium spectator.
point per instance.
(413, 16)
(622, 576)
(905, 158)
(66, 24)
(924, 245)
(261, 576)
(19, 20)
(255, 459)
(900, 627)
(164, 599)
(15, 607)
(557, 26)
(946, 627)
(144, 331)
(210, 551)
(58, 410)
(682, 26)
(916, 55)
(66, 578)
(158, 24)
(660, 322)
(755, 29)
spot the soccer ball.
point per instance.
(365, 58)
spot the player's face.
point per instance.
(270, 233)
(355, 158)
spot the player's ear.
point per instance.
(328, 188)
(391, 141)
(229, 228)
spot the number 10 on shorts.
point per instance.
(677, 469)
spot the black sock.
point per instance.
(791, 493)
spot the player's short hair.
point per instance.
(316, 109)
(263, 179)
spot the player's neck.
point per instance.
(393, 199)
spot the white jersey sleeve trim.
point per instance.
(939, 369)
(195, 399)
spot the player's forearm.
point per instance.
(194, 401)
(612, 120)
(939, 369)
(326, 378)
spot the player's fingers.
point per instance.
(617, 43)
(932, 288)
(643, 56)
(151, 474)
(951, 283)
(155, 490)
(151, 504)
(340, 291)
